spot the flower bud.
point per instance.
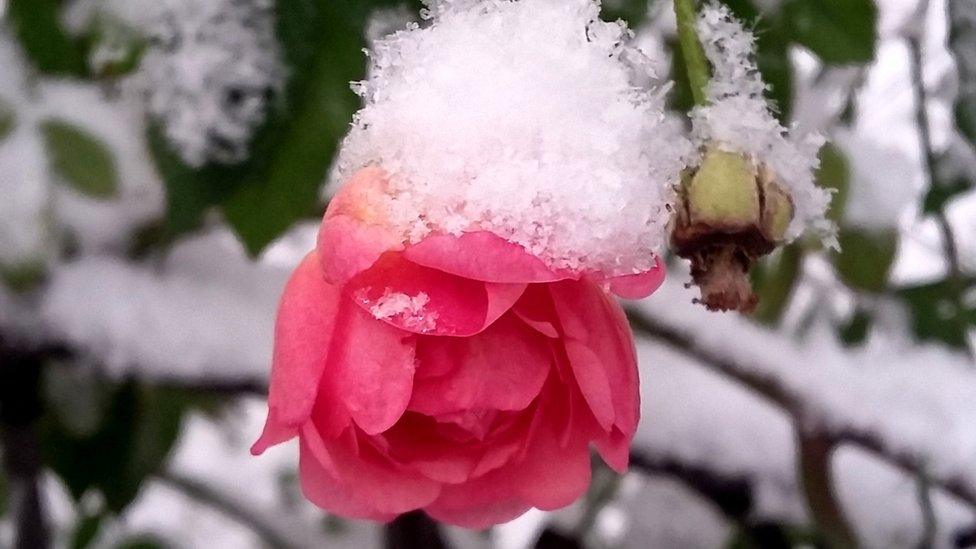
(730, 212)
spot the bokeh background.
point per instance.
(162, 165)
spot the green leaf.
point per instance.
(86, 531)
(774, 280)
(80, 159)
(291, 154)
(938, 313)
(8, 120)
(632, 12)
(838, 31)
(138, 429)
(24, 276)
(116, 48)
(834, 173)
(865, 258)
(321, 108)
(36, 25)
(855, 330)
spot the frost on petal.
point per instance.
(738, 119)
(529, 120)
(211, 73)
(408, 310)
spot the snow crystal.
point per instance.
(528, 119)
(212, 72)
(738, 119)
(410, 310)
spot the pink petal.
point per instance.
(372, 365)
(322, 487)
(593, 382)
(367, 479)
(591, 318)
(502, 368)
(614, 448)
(641, 285)
(349, 246)
(551, 476)
(478, 503)
(303, 333)
(536, 310)
(415, 442)
(355, 230)
(444, 304)
(482, 256)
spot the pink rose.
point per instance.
(458, 375)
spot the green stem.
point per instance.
(691, 50)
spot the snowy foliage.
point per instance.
(738, 118)
(213, 73)
(526, 119)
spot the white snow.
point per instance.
(205, 311)
(410, 309)
(919, 398)
(527, 119)
(738, 119)
(212, 72)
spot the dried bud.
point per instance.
(730, 212)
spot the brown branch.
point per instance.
(232, 509)
(775, 392)
(20, 408)
(922, 122)
(815, 450)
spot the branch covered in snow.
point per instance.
(771, 385)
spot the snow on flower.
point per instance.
(410, 309)
(530, 120)
(212, 72)
(738, 119)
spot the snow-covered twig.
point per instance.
(778, 392)
(204, 493)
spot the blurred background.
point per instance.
(162, 165)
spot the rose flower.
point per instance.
(459, 375)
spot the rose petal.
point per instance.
(502, 368)
(590, 317)
(478, 503)
(593, 383)
(368, 479)
(303, 333)
(355, 231)
(481, 255)
(322, 487)
(372, 365)
(639, 286)
(551, 476)
(536, 310)
(614, 448)
(428, 301)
